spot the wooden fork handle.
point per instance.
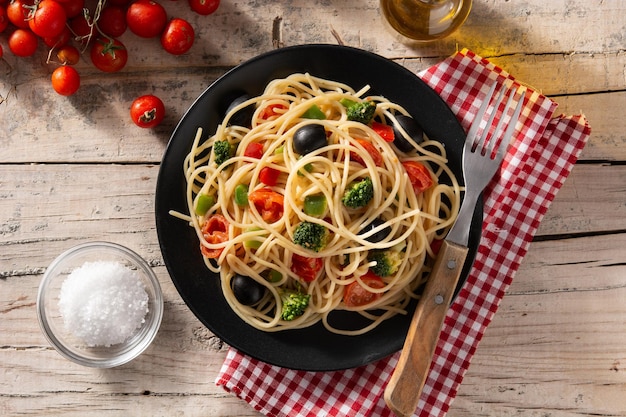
(405, 386)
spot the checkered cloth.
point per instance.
(538, 162)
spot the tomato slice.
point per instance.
(419, 176)
(305, 267)
(269, 176)
(268, 203)
(384, 131)
(254, 150)
(214, 231)
(371, 149)
(355, 295)
(271, 111)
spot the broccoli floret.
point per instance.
(311, 236)
(387, 261)
(222, 151)
(361, 112)
(359, 193)
(294, 303)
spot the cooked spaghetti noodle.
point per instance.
(256, 237)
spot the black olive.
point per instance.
(380, 235)
(247, 291)
(243, 117)
(411, 127)
(309, 138)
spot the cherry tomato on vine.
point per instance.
(23, 42)
(177, 37)
(146, 18)
(112, 21)
(48, 20)
(65, 80)
(59, 40)
(204, 7)
(18, 14)
(4, 19)
(68, 55)
(147, 111)
(108, 55)
(73, 7)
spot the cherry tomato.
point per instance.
(4, 19)
(68, 55)
(73, 7)
(204, 7)
(112, 21)
(18, 14)
(48, 20)
(269, 176)
(254, 150)
(272, 110)
(268, 203)
(65, 80)
(146, 18)
(384, 131)
(1, 52)
(418, 175)
(355, 295)
(370, 149)
(109, 55)
(80, 27)
(214, 231)
(147, 111)
(305, 267)
(177, 37)
(59, 40)
(23, 42)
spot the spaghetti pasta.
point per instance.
(248, 207)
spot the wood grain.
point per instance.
(76, 169)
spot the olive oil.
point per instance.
(425, 20)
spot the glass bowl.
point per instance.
(99, 345)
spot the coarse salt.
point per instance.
(103, 303)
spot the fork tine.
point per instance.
(483, 145)
(481, 113)
(508, 134)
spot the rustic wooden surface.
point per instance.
(75, 169)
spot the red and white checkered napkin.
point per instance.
(538, 162)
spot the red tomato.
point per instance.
(65, 80)
(384, 131)
(177, 37)
(48, 20)
(254, 150)
(73, 7)
(60, 40)
(68, 55)
(18, 14)
(214, 231)
(1, 52)
(146, 18)
(356, 295)
(147, 111)
(418, 175)
(112, 21)
(23, 42)
(270, 111)
(305, 267)
(370, 149)
(80, 27)
(268, 203)
(4, 19)
(108, 55)
(269, 176)
(204, 7)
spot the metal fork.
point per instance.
(482, 156)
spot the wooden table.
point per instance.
(76, 169)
